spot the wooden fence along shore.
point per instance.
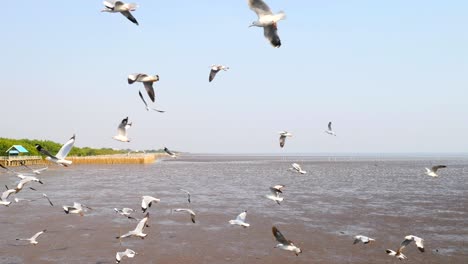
(135, 158)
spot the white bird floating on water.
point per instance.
(170, 153)
(297, 168)
(283, 135)
(121, 7)
(363, 239)
(125, 212)
(146, 202)
(417, 240)
(275, 193)
(190, 211)
(77, 208)
(33, 239)
(37, 171)
(267, 20)
(127, 253)
(138, 231)
(122, 131)
(330, 130)
(146, 104)
(188, 194)
(240, 220)
(147, 81)
(215, 69)
(61, 155)
(433, 171)
(284, 243)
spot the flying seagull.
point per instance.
(47, 197)
(146, 104)
(267, 20)
(363, 239)
(138, 231)
(125, 212)
(127, 253)
(215, 69)
(146, 202)
(398, 254)
(275, 193)
(433, 171)
(10, 170)
(188, 194)
(240, 220)
(122, 131)
(77, 208)
(297, 168)
(4, 198)
(22, 183)
(170, 153)
(191, 212)
(284, 243)
(32, 240)
(330, 130)
(37, 172)
(283, 135)
(147, 81)
(417, 240)
(17, 200)
(122, 8)
(29, 178)
(61, 155)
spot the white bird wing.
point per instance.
(296, 166)
(271, 33)
(241, 216)
(141, 225)
(419, 243)
(7, 193)
(276, 192)
(41, 170)
(109, 4)
(259, 7)
(63, 152)
(37, 235)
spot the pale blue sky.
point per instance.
(391, 75)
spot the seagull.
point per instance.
(138, 231)
(267, 20)
(22, 176)
(5, 195)
(77, 208)
(330, 130)
(10, 170)
(433, 171)
(33, 240)
(61, 155)
(215, 69)
(125, 212)
(122, 131)
(22, 183)
(363, 239)
(127, 253)
(417, 240)
(17, 200)
(37, 172)
(240, 220)
(191, 212)
(283, 135)
(284, 243)
(146, 202)
(297, 168)
(398, 254)
(275, 193)
(188, 194)
(146, 104)
(47, 197)
(122, 8)
(170, 153)
(147, 81)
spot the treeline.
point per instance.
(52, 147)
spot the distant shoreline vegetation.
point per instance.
(54, 147)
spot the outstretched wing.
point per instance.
(259, 7)
(435, 168)
(242, 216)
(330, 126)
(122, 129)
(37, 235)
(63, 152)
(44, 151)
(130, 17)
(212, 74)
(150, 90)
(141, 225)
(279, 237)
(271, 33)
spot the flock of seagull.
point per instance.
(268, 21)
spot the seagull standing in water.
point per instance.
(147, 81)
(122, 131)
(297, 168)
(330, 130)
(363, 239)
(120, 7)
(61, 155)
(146, 104)
(284, 243)
(190, 211)
(283, 135)
(240, 220)
(267, 20)
(215, 69)
(33, 239)
(138, 231)
(127, 253)
(433, 171)
(146, 202)
(275, 193)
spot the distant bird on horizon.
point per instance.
(267, 20)
(330, 130)
(297, 168)
(188, 194)
(147, 81)
(190, 211)
(215, 69)
(170, 153)
(61, 155)
(433, 171)
(283, 135)
(127, 253)
(275, 193)
(284, 244)
(113, 6)
(146, 104)
(364, 239)
(122, 131)
(146, 202)
(33, 239)
(35, 171)
(240, 220)
(125, 212)
(138, 231)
